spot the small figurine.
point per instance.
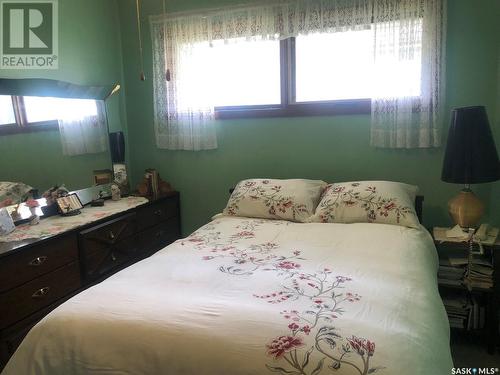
(153, 185)
(53, 193)
(115, 192)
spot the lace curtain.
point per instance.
(82, 127)
(409, 38)
(189, 126)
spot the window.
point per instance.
(32, 113)
(318, 73)
(341, 66)
(343, 72)
(49, 109)
(6, 110)
(242, 73)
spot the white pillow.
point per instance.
(293, 200)
(382, 202)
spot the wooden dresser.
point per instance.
(38, 275)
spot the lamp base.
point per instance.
(466, 209)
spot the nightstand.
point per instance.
(454, 256)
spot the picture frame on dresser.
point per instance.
(37, 275)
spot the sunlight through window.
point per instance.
(341, 65)
(47, 109)
(6, 110)
(235, 72)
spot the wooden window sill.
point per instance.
(327, 108)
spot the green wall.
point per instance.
(89, 54)
(98, 45)
(42, 164)
(334, 148)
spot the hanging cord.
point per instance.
(470, 259)
(139, 33)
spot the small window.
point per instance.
(232, 73)
(39, 113)
(7, 115)
(321, 73)
(40, 109)
(334, 66)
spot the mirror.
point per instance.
(53, 133)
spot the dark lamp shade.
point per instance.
(117, 145)
(471, 156)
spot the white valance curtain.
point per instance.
(83, 127)
(401, 29)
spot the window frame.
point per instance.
(22, 125)
(289, 107)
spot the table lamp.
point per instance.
(470, 158)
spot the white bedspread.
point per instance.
(249, 296)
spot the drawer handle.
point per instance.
(158, 212)
(38, 261)
(113, 257)
(42, 292)
(111, 235)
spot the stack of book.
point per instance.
(451, 271)
(480, 274)
(458, 307)
(464, 310)
(477, 315)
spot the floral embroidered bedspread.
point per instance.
(250, 296)
(57, 224)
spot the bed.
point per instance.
(255, 296)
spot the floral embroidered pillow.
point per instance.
(293, 200)
(381, 202)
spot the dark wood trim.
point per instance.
(292, 70)
(29, 128)
(286, 73)
(22, 125)
(288, 106)
(419, 208)
(20, 110)
(327, 108)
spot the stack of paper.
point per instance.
(451, 271)
(480, 274)
(458, 307)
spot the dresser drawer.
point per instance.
(108, 234)
(159, 236)
(97, 262)
(26, 265)
(22, 301)
(157, 212)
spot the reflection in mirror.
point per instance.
(52, 133)
(47, 141)
(6, 110)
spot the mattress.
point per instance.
(252, 296)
